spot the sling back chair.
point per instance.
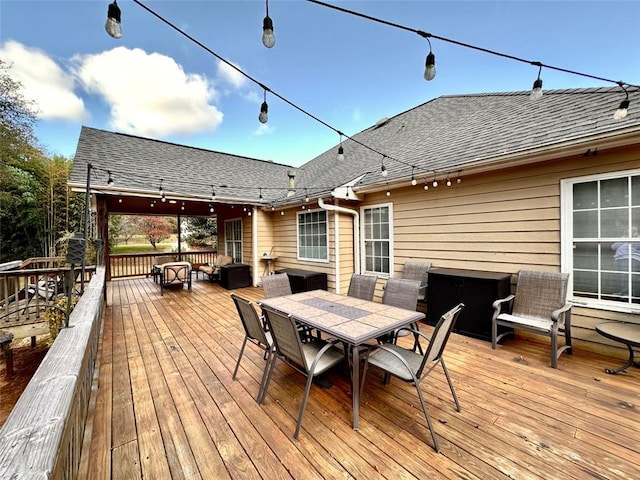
(539, 306)
(362, 286)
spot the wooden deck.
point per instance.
(165, 406)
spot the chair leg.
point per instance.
(554, 347)
(303, 405)
(453, 392)
(436, 446)
(268, 372)
(244, 344)
(269, 353)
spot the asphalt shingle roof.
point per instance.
(447, 134)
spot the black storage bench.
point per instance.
(235, 275)
(305, 280)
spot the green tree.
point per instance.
(155, 229)
(200, 232)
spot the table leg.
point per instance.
(629, 363)
(355, 385)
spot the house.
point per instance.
(491, 182)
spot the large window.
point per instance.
(313, 235)
(377, 228)
(601, 244)
(233, 239)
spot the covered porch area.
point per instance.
(164, 406)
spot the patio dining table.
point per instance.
(350, 320)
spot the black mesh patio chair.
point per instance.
(254, 332)
(413, 367)
(418, 271)
(310, 359)
(539, 306)
(362, 286)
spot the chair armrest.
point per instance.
(500, 303)
(555, 315)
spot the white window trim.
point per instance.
(226, 223)
(363, 251)
(326, 220)
(566, 241)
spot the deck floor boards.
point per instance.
(165, 406)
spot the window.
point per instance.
(233, 239)
(601, 244)
(377, 228)
(313, 235)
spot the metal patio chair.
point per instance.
(401, 293)
(362, 286)
(310, 359)
(413, 270)
(413, 367)
(539, 306)
(254, 332)
(276, 285)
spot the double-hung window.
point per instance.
(233, 239)
(313, 235)
(601, 241)
(377, 241)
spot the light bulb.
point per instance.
(281, 212)
(414, 182)
(388, 193)
(426, 186)
(113, 25)
(430, 67)
(536, 92)
(435, 183)
(268, 38)
(264, 109)
(448, 182)
(384, 171)
(622, 110)
(340, 153)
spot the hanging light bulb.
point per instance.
(281, 212)
(388, 191)
(430, 64)
(110, 180)
(448, 181)
(119, 199)
(213, 193)
(268, 39)
(458, 180)
(536, 92)
(113, 25)
(260, 197)
(414, 182)
(182, 206)
(426, 185)
(383, 169)
(163, 198)
(435, 181)
(306, 196)
(264, 109)
(621, 112)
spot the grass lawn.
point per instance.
(138, 244)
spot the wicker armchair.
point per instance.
(213, 271)
(362, 286)
(310, 359)
(413, 367)
(538, 306)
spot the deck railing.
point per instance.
(134, 265)
(42, 437)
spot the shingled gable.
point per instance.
(139, 163)
(465, 132)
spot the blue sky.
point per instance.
(347, 71)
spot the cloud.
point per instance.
(263, 129)
(148, 93)
(231, 75)
(44, 82)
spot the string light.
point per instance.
(435, 181)
(113, 25)
(448, 181)
(110, 180)
(430, 62)
(306, 196)
(426, 184)
(458, 180)
(268, 38)
(182, 206)
(621, 112)
(536, 92)
(383, 169)
(340, 149)
(388, 191)
(414, 182)
(213, 193)
(264, 109)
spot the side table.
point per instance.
(5, 346)
(627, 333)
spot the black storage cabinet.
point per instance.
(476, 289)
(305, 280)
(236, 275)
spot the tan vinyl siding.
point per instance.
(501, 221)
